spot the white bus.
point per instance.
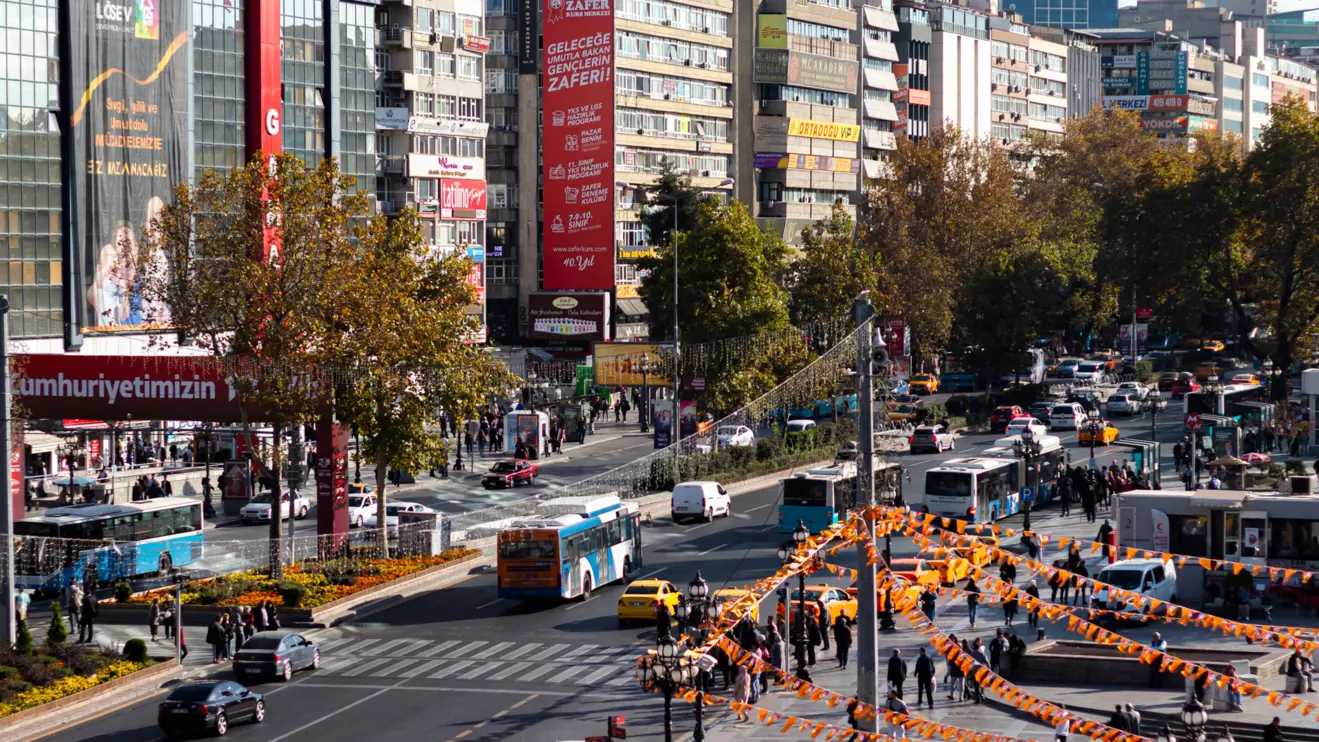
(985, 488)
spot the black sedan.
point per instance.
(276, 654)
(199, 708)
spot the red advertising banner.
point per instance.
(265, 88)
(331, 483)
(17, 468)
(578, 152)
(462, 199)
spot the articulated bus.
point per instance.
(104, 543)
(571, 546)
(985, 488)
(821, 497)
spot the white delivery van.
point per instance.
(1066, 416)
(700, 500)
(1152, 578)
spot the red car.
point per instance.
(1184, 386)
(1001, 417)
(510, 474)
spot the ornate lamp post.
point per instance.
(1165, 735)
(1094, 428)
(799, 536)
(1029, 448)
(666, 670)
(1194, 718)
(644, 407)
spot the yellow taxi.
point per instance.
(729, 595)
(1106, 434)
(836, 601)
(916, 571)
(900, 412)
(923, 384)
(641, 598)
(1207, 369)
(1251, 379)
(1213, 346)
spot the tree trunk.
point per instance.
(382, 481)
(276, 508)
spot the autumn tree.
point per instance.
(833, 268)
(403, 329)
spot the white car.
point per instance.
(1022, 424)
(736, 435)
(1135, 387)
(257, 510)
(1090, 371)
(797, 426)
(361, 507)
(392, 509)
(932, 438)
(1123, 403)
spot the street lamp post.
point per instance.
(645, 392)
(1028, 447)
(1093, 415)
(667, 671)
(1194, 718)
(531, 390)
(1165, 735)
(799, 536)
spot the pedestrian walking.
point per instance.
(1033, 609)
(153, 617)
(813, 638)
(88, 615)
(997, 648)
(215, 638)
(896, 728)
(1119, 720)
(928, 603)
(1065, 496)
(1156, 668)
(924, 678)
(167, 610)
(227, 636)
(1010, 609)
(73, 604)
(1105, 531)
(742, 692)
(897, 672)
(842, 641)
(236, 625)
(972, 600)
(1083, 585)
(1133, 719)
(182, 643)
(21, 603)
(1063, 728)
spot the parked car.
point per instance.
(1002, 416)
(209, 708)
(1185, 384)
(700, 500)
(276, 654)
(257, 510)
(1067, 416)
(1087, 399)
(1140, 390)
(392, 510)
(932, 438)
(1166, 380)
(797, 427)
(923, 384)
(1040, 411)
(736, 435)
(1122, 403)
(360, 507)
(510, 474)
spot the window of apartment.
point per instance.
(1232, 125)
(844, 4)
(1045, 112)
(1259, 106)
(471, 25)
(469, 109)
(880, 65)
(425, 144)
(446, 233)
(446, 106)
(444, 22)
(809, 196)
(1004, 104)
(668, 87)
(1045, 60)
(461, 146)
(503, 42)
(665, 13)
(423, 103)
(769, 191)
(470, 233)
(497, 194)
(427, 189)
(1048, 87)
(804, 95)
(1258, 80)
(1231, 83)
(494, 7)
(1256, 133)
(1017, 53)
(659, 124)
(501, 81)
(469, 67)
(631, 235)
(1007, 132)
(880, 95)
(671, 51)
(501, 118)
(817, 31)
(425, 63)
(444, 64)
(1231, 104)
(384, 62)
(424, 20)
(501, 271)
(382, 145)
(636, 160)
(998, 49)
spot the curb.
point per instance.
(63, 713)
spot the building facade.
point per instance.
(1069, 13)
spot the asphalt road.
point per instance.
(463, 664)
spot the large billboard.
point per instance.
(130, 130)
(781, 66)
(578, 145)
(567, 323)
(620, 364)
(462, 199)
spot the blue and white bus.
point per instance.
(821, 497)
(105, 543)
(990, 486)
(571, 546)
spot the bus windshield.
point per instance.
(527, 549)
(805, 492)
(948, 484)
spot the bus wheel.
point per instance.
(166, 565)
(586, 588)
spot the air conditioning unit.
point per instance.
(993, 86)
(767, 204)
(668, 96)
(998, 60)
(687, 62)
(394, 26)
(705, 173)
(1002, 116)
(667, 22)
(435, 37)
(1037, 68)
(1005, 142)
(640, 132)
(705, 29)
(702, 65)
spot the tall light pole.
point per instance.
(867, 665)
(645, 393)
(9, 634)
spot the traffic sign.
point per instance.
(1028, 494)
(1193, 422)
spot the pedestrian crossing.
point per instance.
(547, 663)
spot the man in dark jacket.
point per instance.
(897, 672)
(1273, 732)
(88, 614)
(1119, 720)
(216, 638)
(924, 678)
(813, 638)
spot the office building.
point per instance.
(1073, 14)
(1028, 88)
(878, 84)
(1084, 92)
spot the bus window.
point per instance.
(527, 550)
(845, 494)
(804, 492)
(948, 484)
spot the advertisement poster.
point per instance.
(1160, 535)
(661, 422)
(620, 364)
(523, 426)
(567, 323)
(462, 199)
(130, 66)
(578, 145)
(772, 31)
(687, 418)
(331, 479)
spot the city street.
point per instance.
(509, 670)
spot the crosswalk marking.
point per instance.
(552, 650)
(471, 647)
(383, 648)
(422, 668)
(363, 668)
(511, 670)
(480, 670)
(537, 672)
(622, 680)
(411, 646)
(451, 669)
(597, 675)
(579, 650)
(396, 667)
(492, 651)
(331, 664)
(571, 671)
(359, 646)
(437, 649)
(522, 650)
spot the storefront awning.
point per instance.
(41, 442)
(631, 307)
(1221, 500)
(85, 425)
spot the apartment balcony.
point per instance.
(399, 79)
(394, 164)
(807, 11)
(823, 47)
(398, 38)
(795, 210)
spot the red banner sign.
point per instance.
(1168, 102)
(331, 479)
(265, 89)
(578, 141)
(462, 199)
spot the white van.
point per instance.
(1152, 578)
(1066, 416)
(700, 500)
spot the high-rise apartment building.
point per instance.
(879, 115)
(1068, 13)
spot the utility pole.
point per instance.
(10, 633)
(867, 614)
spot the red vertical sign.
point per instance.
(578, 146)
(265, 104)
(17, 467)
(331, 482)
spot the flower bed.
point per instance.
(27, 681)
(307, 585)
